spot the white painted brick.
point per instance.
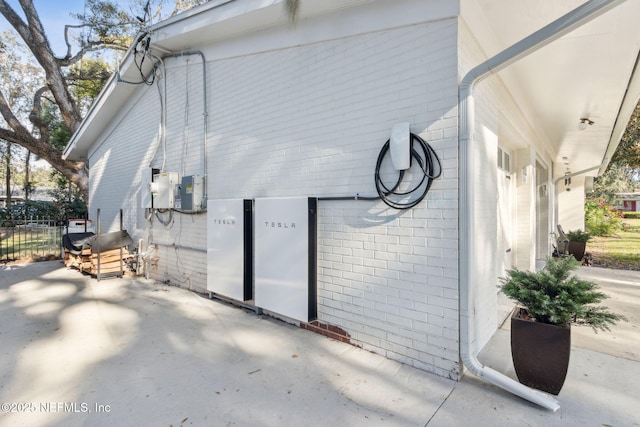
(397, 319)
(443, 322)
(404, 304)
(442, 302)
(310, 120)
(428, 251)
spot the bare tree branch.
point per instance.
(87, 46)
(39, 46)
(10, 117)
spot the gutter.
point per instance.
(582, 172)
(556, 213)
(466, 146)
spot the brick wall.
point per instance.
(309, 121)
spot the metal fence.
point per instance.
(33, 238)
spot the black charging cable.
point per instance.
(429, 164)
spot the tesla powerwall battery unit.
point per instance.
(230, 248)
(285, 257)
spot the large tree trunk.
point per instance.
(38, 141)
(7, 158)
(76, 172)
(27, 177)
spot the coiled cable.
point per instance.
(431, 169)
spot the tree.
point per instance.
(623, 172)
(618, 178)
(6, 163)
(69, 83)
(51, 77)
(628, 152)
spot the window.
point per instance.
(504, 160)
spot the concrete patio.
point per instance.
(131, 352)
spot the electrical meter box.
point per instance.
(146, 184)
(191, 193)
(163, 190)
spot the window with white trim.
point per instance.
(504, 160)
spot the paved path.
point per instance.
(128, 352)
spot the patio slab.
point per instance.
(133, 352)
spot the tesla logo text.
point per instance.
(225, 221)
(274, 224)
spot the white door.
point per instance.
(505, 221)
(543, 226)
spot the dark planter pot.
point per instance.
(577, 249)
(540, 352)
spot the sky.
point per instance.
(55, 14)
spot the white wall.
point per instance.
(499, 122)
(485, 276)
(309, 120)
(133, 144)
(571, 201)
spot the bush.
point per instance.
(33, 209)
(631, 215)
(578, 236)
(28, 210)
(552, 295)
(601, 219)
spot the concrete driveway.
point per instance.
(130, 352)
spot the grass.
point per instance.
(18, 244)
(621, 250)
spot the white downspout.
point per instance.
(572, 20)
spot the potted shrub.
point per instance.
(577, 243)
(549, 301)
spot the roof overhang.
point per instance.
(589, 73)
(212, 22)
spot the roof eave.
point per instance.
(629, 103)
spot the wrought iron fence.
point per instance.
(32, 238)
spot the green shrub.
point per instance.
(631, 215)
(34, 209)
(578, 236)
(552, 295)
(601, 219)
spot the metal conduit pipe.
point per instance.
(205, 111)
(467, 264)
(176, 246)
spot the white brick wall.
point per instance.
(310, 121)
(499, 121)
(117, 162)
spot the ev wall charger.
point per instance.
(399, 145)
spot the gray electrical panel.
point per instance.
(192, 193)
